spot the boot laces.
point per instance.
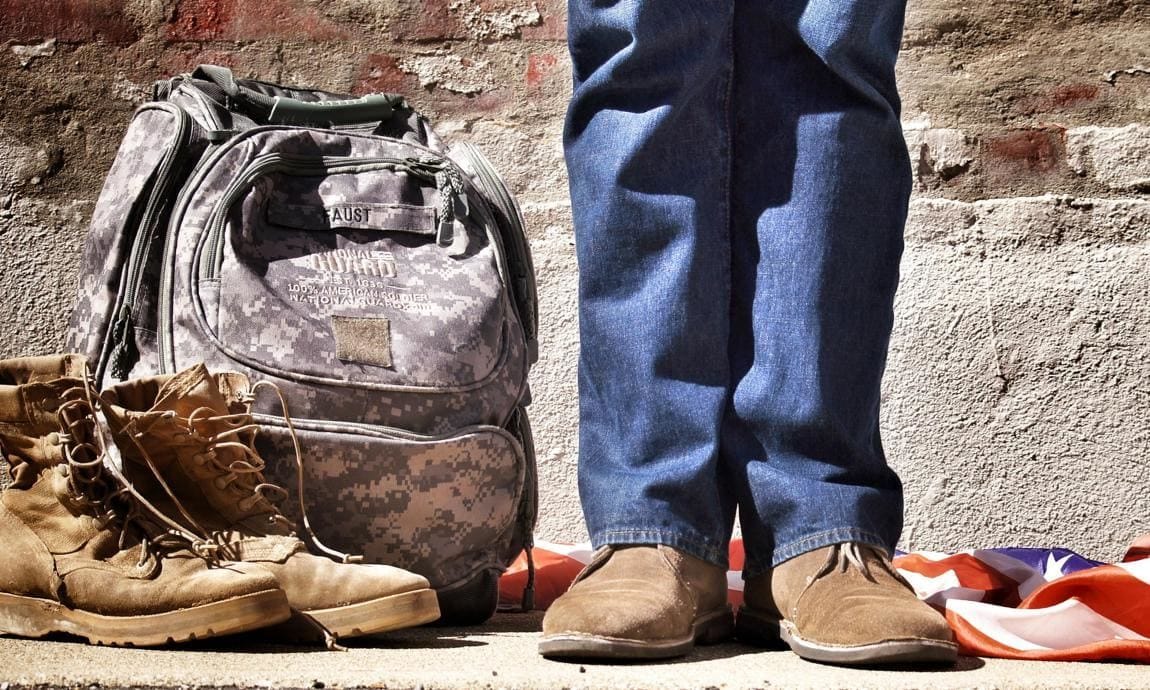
(851, 555)
(249, 398)
(102, 490)
(245, 472)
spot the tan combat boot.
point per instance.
(82, 554)
(638, 602)
(844, 604)
(193, 432)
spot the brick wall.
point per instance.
(1018, 390)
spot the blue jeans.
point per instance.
(739, 184)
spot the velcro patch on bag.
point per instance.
(419, 220)
(363, 340)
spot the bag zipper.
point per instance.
(377, 430)
(431, 170)
(122, 352)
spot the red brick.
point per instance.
(1071, 94)
(69, 21)
(1034, 150)
(200, 20)
(538, 66)
(237, 20)
(1061, 98)
(381, 74)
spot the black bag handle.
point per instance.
(276, 109)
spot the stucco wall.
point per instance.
(1018, 391)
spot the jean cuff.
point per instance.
(755, 565)
(691, 544)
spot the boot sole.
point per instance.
(713, 628)
(766, 631)
(32, 617)
(381, 615)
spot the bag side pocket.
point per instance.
(444, 507)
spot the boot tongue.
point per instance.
(190, 390)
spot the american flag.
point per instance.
(1012, 603)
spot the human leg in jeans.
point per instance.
(739, 186)
(821, 181)
(648, 150)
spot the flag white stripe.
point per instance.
(1139, 570)
(1065, 625)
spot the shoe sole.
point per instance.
(710, 629)
(765, 631)
(33, 617)
(393, 612)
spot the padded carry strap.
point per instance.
(281, 109)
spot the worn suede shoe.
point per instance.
(187, 443)
(82, 554)
(638, 602)
(843, 604)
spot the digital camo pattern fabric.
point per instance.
(444, 304)
(150, 138)
(443, 508)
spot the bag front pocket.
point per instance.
(352, 270)
(444, 507)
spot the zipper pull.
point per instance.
(450, 186)
(124, 353)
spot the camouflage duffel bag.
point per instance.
(333, 246)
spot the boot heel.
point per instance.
(31, 617)
(716, 628)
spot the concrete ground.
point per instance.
(495, 656)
